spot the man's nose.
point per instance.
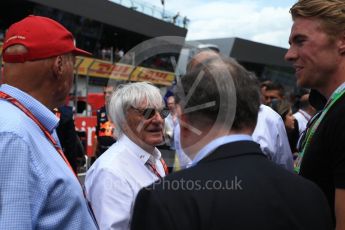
(290, 54)
(158, 117)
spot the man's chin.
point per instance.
(301, 83)
(154, 141)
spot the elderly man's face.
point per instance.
(145, 128)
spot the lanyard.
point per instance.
(50, 138)
(154, 169)
(311, 131)
(44, 130)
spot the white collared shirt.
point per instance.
(271, 134)
(302, 118)
(114, 180)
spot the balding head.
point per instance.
(200, 58)
(48, 80)
(26, 76)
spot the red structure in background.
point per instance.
(86, 126)
(96, 101)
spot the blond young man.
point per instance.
(317, 51)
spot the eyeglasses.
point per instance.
(148, 113)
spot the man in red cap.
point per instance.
(38, 187)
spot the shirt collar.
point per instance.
(41, 112)
(207, 149)
(304, 114)
(138, 151)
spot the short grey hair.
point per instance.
(132, 95)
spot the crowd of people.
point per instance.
(246, 156)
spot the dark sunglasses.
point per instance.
(149, 112)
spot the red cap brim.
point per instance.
(81, 52)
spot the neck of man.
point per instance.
(335, 80)
(148, 148)
(208, 138)
(195, 142)
(38, 94)
(327, 92)
(244, 131)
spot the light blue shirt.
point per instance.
(37, 189)
(208, 149)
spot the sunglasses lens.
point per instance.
(149, 113)
(164, 113)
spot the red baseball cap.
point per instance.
(43, 38)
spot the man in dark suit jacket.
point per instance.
(231, 184)
(69, 139)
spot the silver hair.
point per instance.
(132, 95)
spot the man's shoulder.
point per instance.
(243, 160)
(268, 123)
(12, 119)
(297, 115)
(333, 120)
(217, 164)
(114, 158)
(338, 109)
(267, 114)
(195, 179)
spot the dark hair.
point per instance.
(282, 107)
(275, 86)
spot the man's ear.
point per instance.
(341, 44)
(184, 124)
(125, 128)
(58, 66)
